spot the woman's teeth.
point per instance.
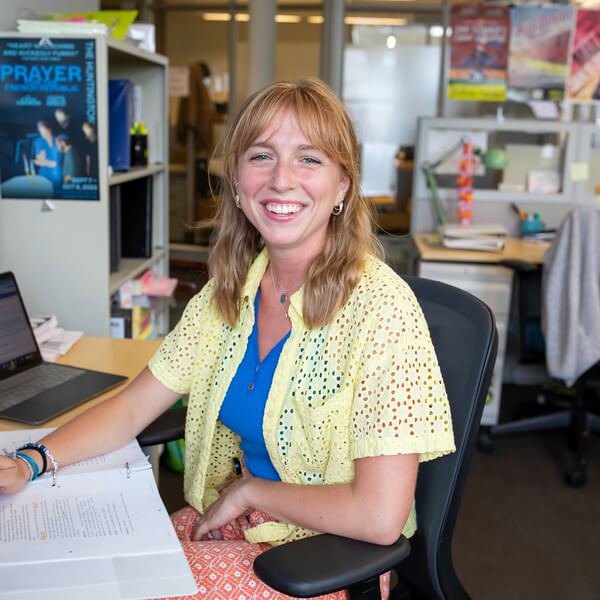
(283, 209)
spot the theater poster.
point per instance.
(48, 134)
(539, 52)
(584, 74)
(478, 52)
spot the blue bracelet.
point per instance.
(46, 454)
(39, 448)
(35, 472)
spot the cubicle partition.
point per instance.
(551, 167)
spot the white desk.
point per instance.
(480, 274)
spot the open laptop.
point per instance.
(31, 390)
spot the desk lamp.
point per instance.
(495, 158)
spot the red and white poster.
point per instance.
(584, 73)
(478, 52)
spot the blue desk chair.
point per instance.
(464, 335)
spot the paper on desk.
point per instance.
(95, 529)
(102, 537)
(59, 343)
(102, 519)
(131, 453)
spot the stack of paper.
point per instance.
(52, 340)
(474, 237)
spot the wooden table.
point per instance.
(514, 248)
(123, 357)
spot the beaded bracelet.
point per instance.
(46, 453)
(33, 468)
(40, 452)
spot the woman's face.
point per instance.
(43, 130)
(288, 188)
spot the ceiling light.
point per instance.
(391, 41)
(242, 17)
(216, 16)
(375, 21)
(436, 31)
(287, 19)
(315, 19)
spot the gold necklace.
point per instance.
(284, 293)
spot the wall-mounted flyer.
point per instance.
(48, 133)
(478, 52)
(584, 73)
(539, 51)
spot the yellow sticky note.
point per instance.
(580, 171)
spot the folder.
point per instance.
(120, 115)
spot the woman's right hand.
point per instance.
(13, 475)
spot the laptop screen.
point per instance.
(17, 343)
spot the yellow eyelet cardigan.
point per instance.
(366, 384)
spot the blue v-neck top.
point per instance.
(244, 404)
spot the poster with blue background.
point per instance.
(48, 133)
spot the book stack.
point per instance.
(133, 304)
(474, 237)
(52, 340)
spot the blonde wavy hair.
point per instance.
(333, 273)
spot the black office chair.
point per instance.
(464, 335)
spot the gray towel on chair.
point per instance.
(571, 296)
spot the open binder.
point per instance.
(99, 531)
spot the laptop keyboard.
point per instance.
(23, 386)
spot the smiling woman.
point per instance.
(314, 390)
(293, 151)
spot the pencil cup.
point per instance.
(528, 226)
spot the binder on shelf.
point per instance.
(120, 119)
(100, 526)
(115, 228)
(120, 322)
(141, 323)
(136, 218)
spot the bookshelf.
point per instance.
(61, 254)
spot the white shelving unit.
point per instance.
(61, 257)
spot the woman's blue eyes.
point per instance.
(307, 159)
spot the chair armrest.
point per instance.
(168, 427)
(325, 563)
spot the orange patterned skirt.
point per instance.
(223, 568)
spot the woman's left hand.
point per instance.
(229, 506)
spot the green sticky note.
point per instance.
(580, 171)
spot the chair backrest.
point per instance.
(464, 334)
